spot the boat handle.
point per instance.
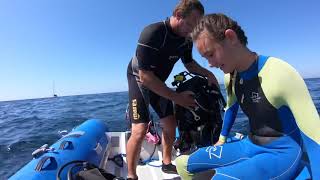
(66, 145)
(43, 160)
(74, 134)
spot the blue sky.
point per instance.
(84, 46)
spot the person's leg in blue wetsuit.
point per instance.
(244, 160)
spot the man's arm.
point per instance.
(194, 67)
(149, 80)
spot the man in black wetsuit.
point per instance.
(159, 47)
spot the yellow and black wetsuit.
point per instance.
(282, 118)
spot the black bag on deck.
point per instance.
(84, 170)
(201, 126)
(94, 174)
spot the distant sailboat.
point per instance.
(53, 90)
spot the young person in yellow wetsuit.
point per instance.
(283, 119)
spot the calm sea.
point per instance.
(25, 125)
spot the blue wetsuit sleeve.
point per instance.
(307, 118)
(313, 150)
(296, 96)
(231, 108)
(229, 118)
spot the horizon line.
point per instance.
(36, 98)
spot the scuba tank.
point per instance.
(200, 126)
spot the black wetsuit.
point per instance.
(158, 50)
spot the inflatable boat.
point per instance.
(90, 144)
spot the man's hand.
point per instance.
(185, 99)
(195, 68)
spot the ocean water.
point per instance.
(26, 125)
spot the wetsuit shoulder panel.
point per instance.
(270, 81)
(153, 36)
(283, 86)
(151, 39)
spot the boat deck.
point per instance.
(151, 159)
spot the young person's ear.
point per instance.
(231, 36)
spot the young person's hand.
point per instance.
(221, 141)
